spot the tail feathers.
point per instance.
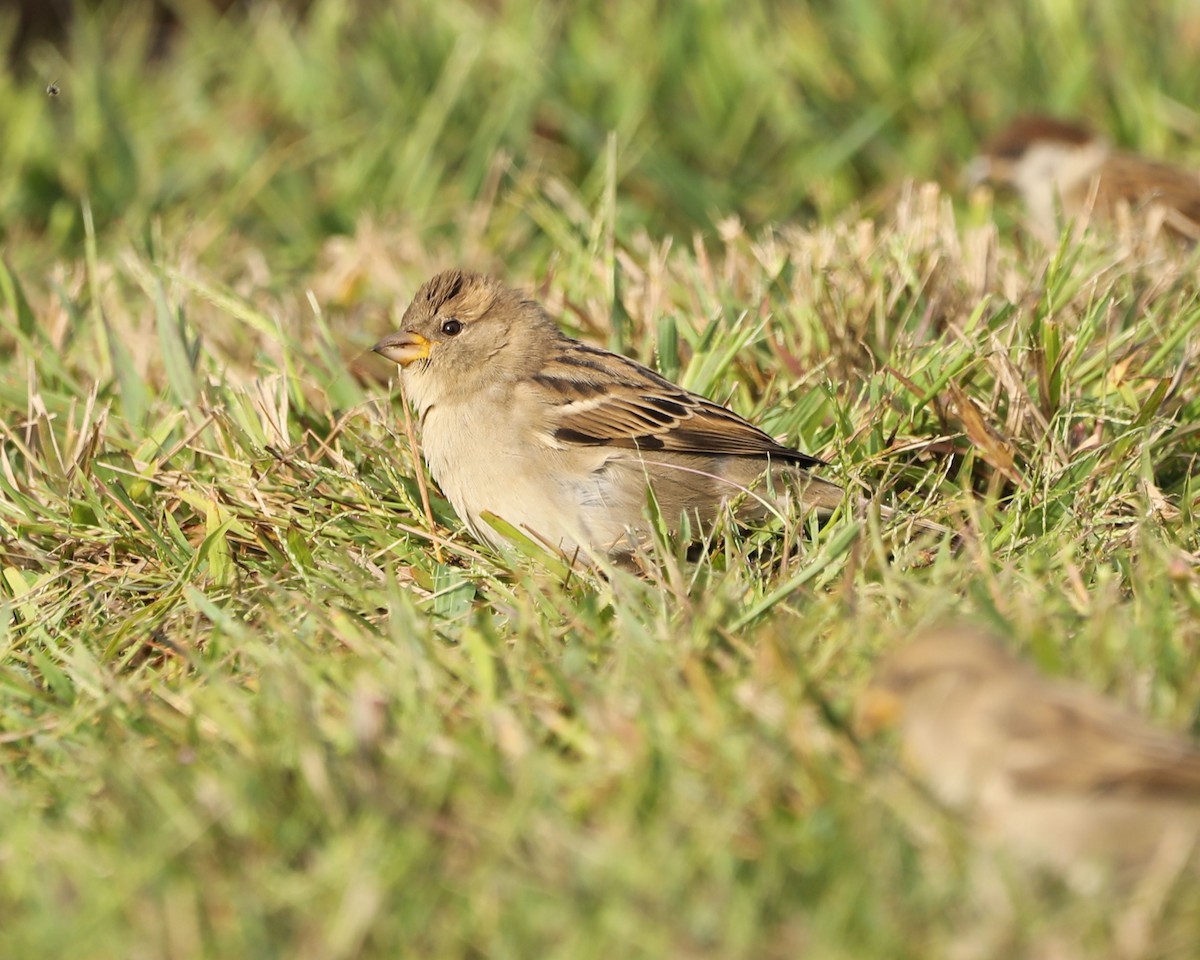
(793, 489)
(825, 497)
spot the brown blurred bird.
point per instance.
(562, 439)
(1049, 769)
(1056, 165)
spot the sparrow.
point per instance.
(1048, 769)
(1056, 165)
(562, 439)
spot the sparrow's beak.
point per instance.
(977, 172)
(403, 347)
(878, 710)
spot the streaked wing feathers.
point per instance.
(1141, 181)
(610, 400)
(1077, 741)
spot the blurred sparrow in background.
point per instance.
(1051, 770)
(561, 439)
(1055, 165)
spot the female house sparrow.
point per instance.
(1061, 775)
(1053, 164)
(561, 439)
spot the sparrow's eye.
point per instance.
(452, 328)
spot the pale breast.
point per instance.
(1054, 174)
(561, 498)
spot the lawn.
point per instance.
(253, 705)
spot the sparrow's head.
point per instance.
(1028, 149)
(463, 331)
(922, 674)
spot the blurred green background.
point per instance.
(288, 121)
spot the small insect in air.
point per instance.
(52, 89)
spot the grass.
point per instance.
(246, 710)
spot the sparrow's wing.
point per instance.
(1063, 738)
(1140, 182)
(598, 398)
